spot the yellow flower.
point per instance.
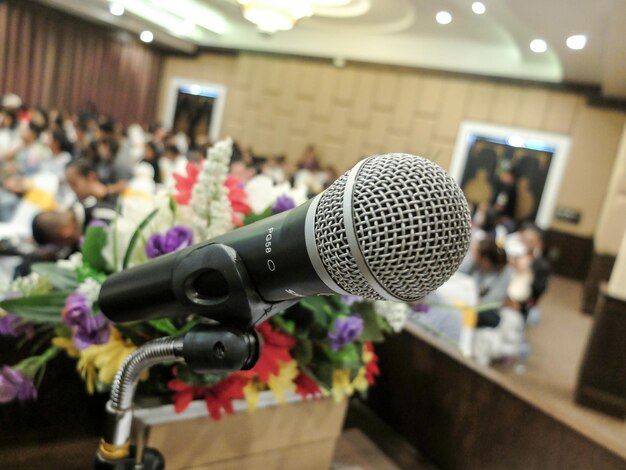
(342, 387)
(67, 345)
(106, 359)
(360, 381)
(283, 382)
(367, 356)
(251, 391)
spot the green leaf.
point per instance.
(61, 278)
(347, 357)
(164, 326)
(303, 352)
(38, 308)
(135, 237)
(371, 323)
(95, 240)
(315, 303)
(251, 218)
(288, 326)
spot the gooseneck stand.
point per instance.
(206, 348)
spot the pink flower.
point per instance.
(185, 184)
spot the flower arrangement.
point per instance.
(321, 346)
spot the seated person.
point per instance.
(64, 228)
(82, 178)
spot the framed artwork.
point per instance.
(517, 170)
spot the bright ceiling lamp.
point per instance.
(275, 15)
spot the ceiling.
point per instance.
(404, 32)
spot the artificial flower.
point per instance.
(251, 392)
(185, 183)
(184, 394)
(276, 346)
(394, 312)
(346, 330)
(176, 238)
(87, 329)
(283, 203)
(238, 200)
(105, 359)
(342, 385)
(419, 307)
(221, 395)
(66, 345)
(12, 325)
(307, 387)
(15, 384)
(360, 382)
(284, 381)
(90, 288)
(371, 363)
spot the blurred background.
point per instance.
(518, 360)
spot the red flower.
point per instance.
(222, 394)
(216, 397)
(305, 386)
(371, 368)
(237, 196)
(275, 349)
(185, 183)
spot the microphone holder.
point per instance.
(206, 348)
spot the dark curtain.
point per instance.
(55, 60)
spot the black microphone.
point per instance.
(394, 227)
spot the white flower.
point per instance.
(73, 262)
(90, 289)
(394, 312)
(263, 193)
(32, 284)
(209, 197)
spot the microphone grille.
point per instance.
(410, 226)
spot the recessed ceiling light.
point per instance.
(116, 9)
(538, 45)
(478, 8)
(146, 36)
(443, 17)
(576, 42)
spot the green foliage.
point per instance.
(252, 217)
(135, 238)
(37, 308)
(60, 278)
(95, 241)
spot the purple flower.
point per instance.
(154, 246)
(12, 325)
(77, 308)
(14, 384)
(177, 238)
(283, 203)
(419, 307)
(98, 223)
(350, 300)
(346, 330)
(95, 330)
(88, 329)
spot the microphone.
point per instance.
(394, 227)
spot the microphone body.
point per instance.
(394, 227)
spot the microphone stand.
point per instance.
(206, 348)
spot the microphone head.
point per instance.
(394, 227)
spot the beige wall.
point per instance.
(278, 105)
(612, 221)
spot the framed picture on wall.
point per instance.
(517, 171)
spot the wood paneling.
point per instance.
(602, 380)
(460, 419)
(599, 271)
(569, 255)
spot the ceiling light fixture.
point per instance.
(146, 36)
(275, 15)
(576, 42)
(478, 8)
(443, 17)
(116, 9)
(538, 45)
